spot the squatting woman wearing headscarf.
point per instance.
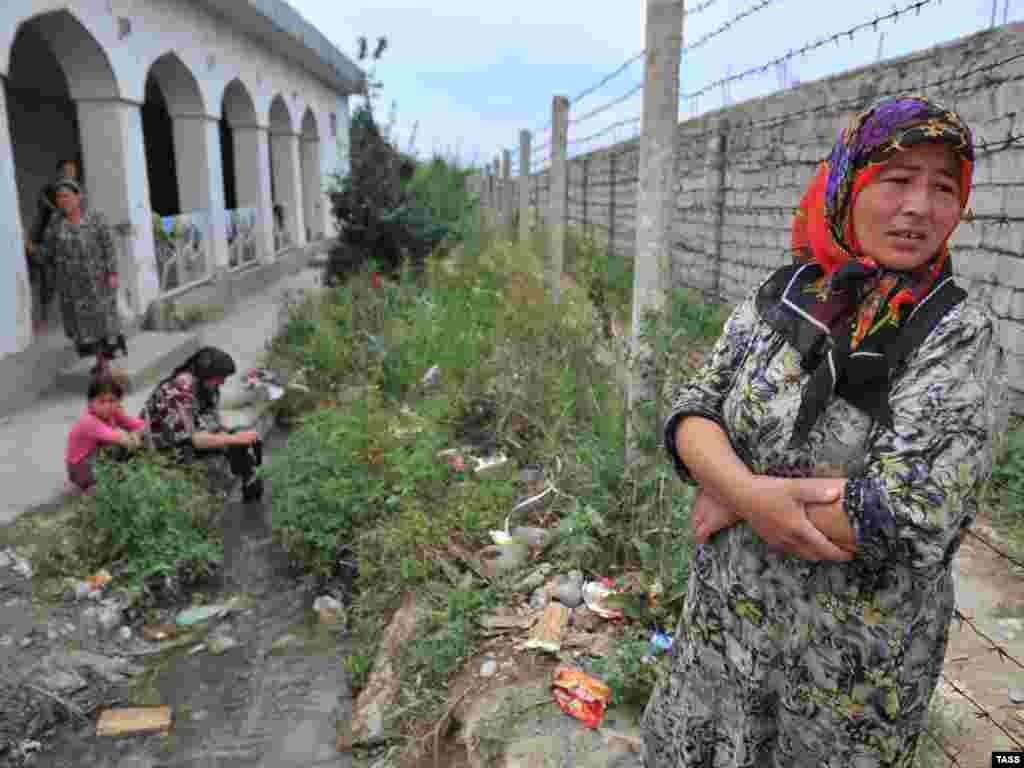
(818, 609)
(182, 416)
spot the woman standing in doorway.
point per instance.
(82, 250)
(841, 435)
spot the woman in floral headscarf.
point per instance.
(840, 434)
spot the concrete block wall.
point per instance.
(741, 172)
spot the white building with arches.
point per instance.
(205, 130)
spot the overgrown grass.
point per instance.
(348, 478)
(148, 515)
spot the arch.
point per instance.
(179, 86)
(310, 126)
(280, 116)
(83, 60)
(237, 105)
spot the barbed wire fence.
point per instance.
(739, 174)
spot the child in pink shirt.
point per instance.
(103, 423)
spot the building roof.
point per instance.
(283, 29)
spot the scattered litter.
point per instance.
(125, 634)
(490, 465)
(5, 558)
(594, 595)
(547, 635)
(120, 722)
(660, 642)
(500, 537)
(6, 640)
(199, 614)
(154, 633)
(196, 649)
(431, 377)
(275, 392)
(26, 642)
(580, 695)
(1017, 696)
(531, 502)
(502, 624)
(329, 610)
(489, 668)
(99, 580)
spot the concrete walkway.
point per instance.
(32, 442)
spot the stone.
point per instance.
(570, 590)
(5, 559)
(221, 644)
(6, 640)
(283, 642)
(109, 617)
(1017, 695)
(57, 680)
(489, 668)
(52, 634)
(502, 558)
(22, 568)
(125, 634)
(112, 670)
(537, 538)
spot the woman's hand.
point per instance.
(245, 438)
(711, 516)
(776, 509)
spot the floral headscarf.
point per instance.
(842, 293)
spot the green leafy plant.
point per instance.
(152, 515)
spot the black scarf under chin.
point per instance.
(820, 327)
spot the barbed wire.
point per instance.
(699, 8)
(608, 78)
(608, 105)
(893, 15)
(606, 130)
(725, 27)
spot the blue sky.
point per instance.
(470, 74)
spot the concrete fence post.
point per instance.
(714, 185)
(498, 191)
(664, 38)
(586, 221)
(559, 195)
(525, 139)
(611, 203)
(507, 198)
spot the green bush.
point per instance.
(325, 480)
(153, 515)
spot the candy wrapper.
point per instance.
(580, 695)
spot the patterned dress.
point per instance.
(84, 258)
(786, 663)
(174, 413)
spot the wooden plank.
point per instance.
(120, 722)
(547, 635)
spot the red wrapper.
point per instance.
(580, 695)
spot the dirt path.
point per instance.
(992, 597)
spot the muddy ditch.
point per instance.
(260, 682)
